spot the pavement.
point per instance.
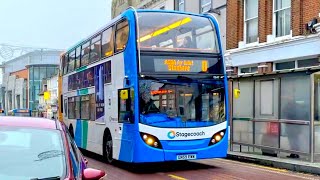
(276, 162)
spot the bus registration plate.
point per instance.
(186, 156)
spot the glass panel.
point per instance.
(280, 4)
(65, 66)
(89, 77)
(85, 107)
(295, 98)
(308, 63)
(266, 102)
(252, 30)
(266, 134)
(181, 5)
(279, 23)
(108, 72)
(251, 9)
(203, 103)
(85, 53)
(78, 55)
(107, 43)
(36, 75)
(295, 137)
(242, 131)
(122, 34)
(77, 107)
(95, 49)
(287, 23)
(71, 61)
(243, 106)
(176, 32)
(254, 69)
(245, 70)
(92, 107)
(285, 65)
(43, 72)
(317, 112)
(71, 108)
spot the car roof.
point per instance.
(33, 122)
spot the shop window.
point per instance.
(122, 34)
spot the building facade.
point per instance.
(21, 78)
(274, 55)
(48, 97)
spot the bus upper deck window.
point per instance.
(122, 34)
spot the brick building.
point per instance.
(274, 50)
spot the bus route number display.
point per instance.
(180, 65)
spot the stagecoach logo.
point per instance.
(173, 134)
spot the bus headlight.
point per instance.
(151, 140)
(217, 137)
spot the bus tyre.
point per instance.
(71, 131)
(107, 147)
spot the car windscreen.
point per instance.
(28, 153)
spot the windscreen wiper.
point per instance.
(47, 178)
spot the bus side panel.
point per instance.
(130, 67)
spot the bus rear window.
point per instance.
(176, 32)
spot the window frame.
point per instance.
(179, 3)
(274, 21)
(205, 5)
(245, 25)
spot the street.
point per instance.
(204, 169)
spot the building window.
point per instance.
(282, 17)
(285, 65)
(205, 5)
(180, 5)
(246, 70)
(251, 21)
(308, 63)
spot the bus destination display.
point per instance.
(180, 65)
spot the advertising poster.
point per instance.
(99, 87)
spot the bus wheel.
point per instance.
(71, 131)
(107, 147)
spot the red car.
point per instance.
(38, 148)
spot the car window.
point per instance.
(27, 153)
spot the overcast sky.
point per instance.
(54, 24)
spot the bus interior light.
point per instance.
(166, 29)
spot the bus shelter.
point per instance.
(276, 114)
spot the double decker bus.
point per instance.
(150, 86)
(20, 112)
